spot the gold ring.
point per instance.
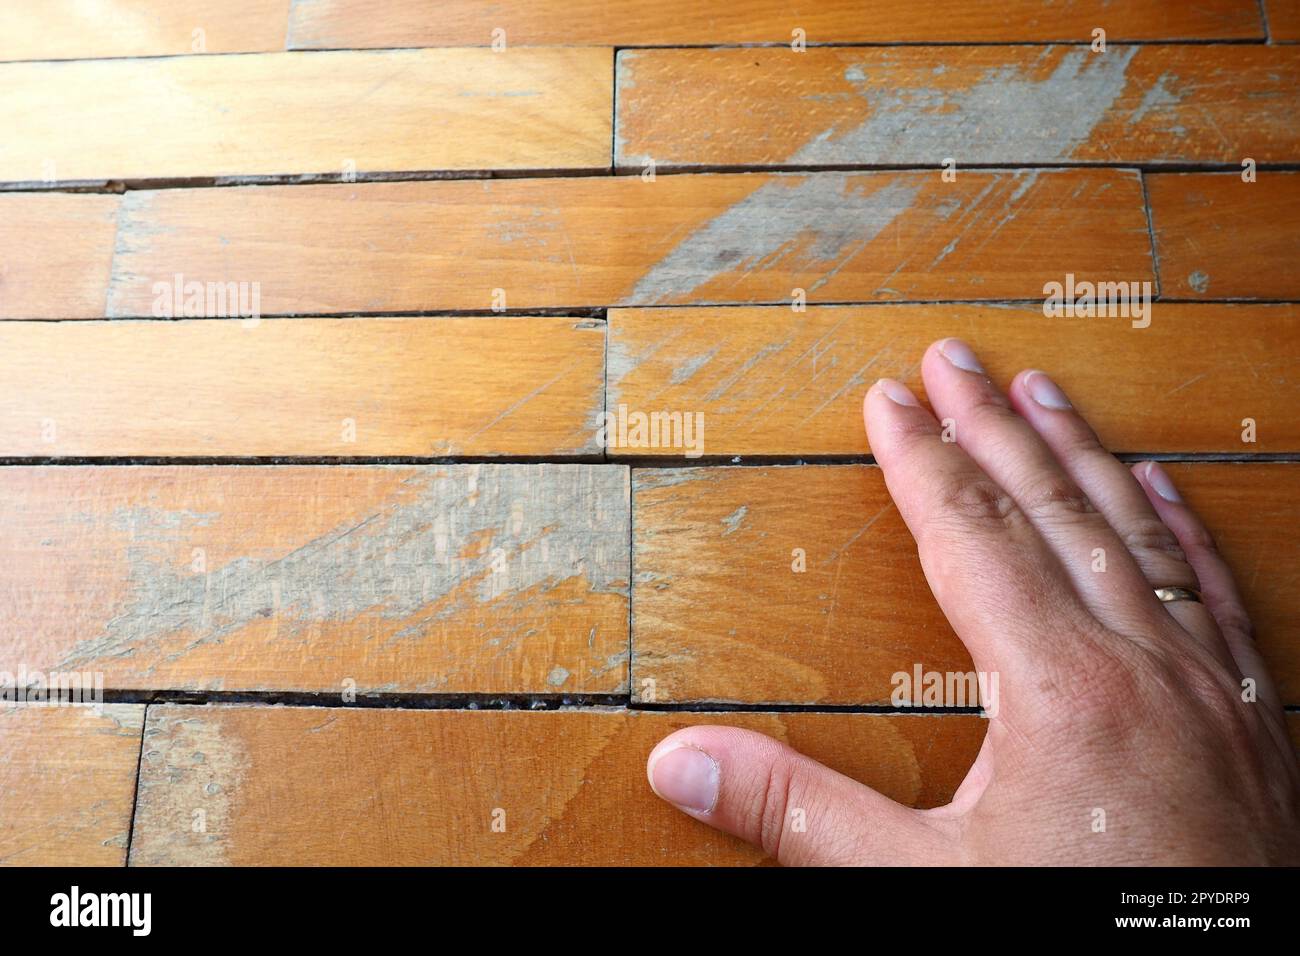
(1166, 595)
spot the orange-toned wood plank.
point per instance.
(375, 23)
(1218, 237)
(620, 240)
(440, 579)
(706, 539)
(1283, 20)
(302, 786)
(322, 387)
(306, 113)
(991, 105)
(67, 783)
(770, 381)
(56, 250)
(74, 29)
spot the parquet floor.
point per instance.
(333, 332)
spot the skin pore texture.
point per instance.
(1158, 719)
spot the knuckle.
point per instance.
(1056, 497)
(769, 806)
(1150, 536)
(1198, 538)
(976, 500)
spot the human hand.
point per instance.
(1109, 699)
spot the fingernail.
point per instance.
(898, 393)
(961, 355)
(1161, 482)
(1044, 391)
(686, 776)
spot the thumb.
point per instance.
(795, 809)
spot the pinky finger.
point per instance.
(1218, 587)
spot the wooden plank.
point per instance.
(304, 786)
(1217, 237)
(770, 381)
(56, 251)
(835, 633)
(989, 105)
(299, 113)
(555, 243)
(67, 783)
(374, 23)
(1283, 20)
(312, 387)
(485, 579)
(74, 29)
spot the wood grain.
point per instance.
(554, 243)
(316, 786)
(483, 579)
(374, 23)
(74, 29)
(989, 105)
(707, 540)
(299, 113)
(1217, 237)
(312, 387)
(67, 783)
(56, 251)
(1283, 20)
(771, 381)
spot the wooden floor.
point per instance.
(326, 326)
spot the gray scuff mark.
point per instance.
(1199, 281)
(734, 520)
(191, 771)
(685, 371)
(479, 533)
(1157, 97)
(805, 224)
(1043, 120)
(721, 389)
(557, 676)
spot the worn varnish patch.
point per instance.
(73, 29)
(1218, 237)
(67, 782)
(438, 579)
(771, 381)
(366, 23)
(707, 540)
(339, 113)
(331, 387)
(989, 105)
(55, 254)
(621, 240)
(304, 786)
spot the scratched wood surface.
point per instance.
(1283, 20)
(772, 381)
(483, 579)
(991, 105)
(56, 253)
(305, 786)
(548, 243)
(723, 613)
(75, 29)
(434, 387)
(67, 783)
(1220, 237)
(296, 113)
(375, 23)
